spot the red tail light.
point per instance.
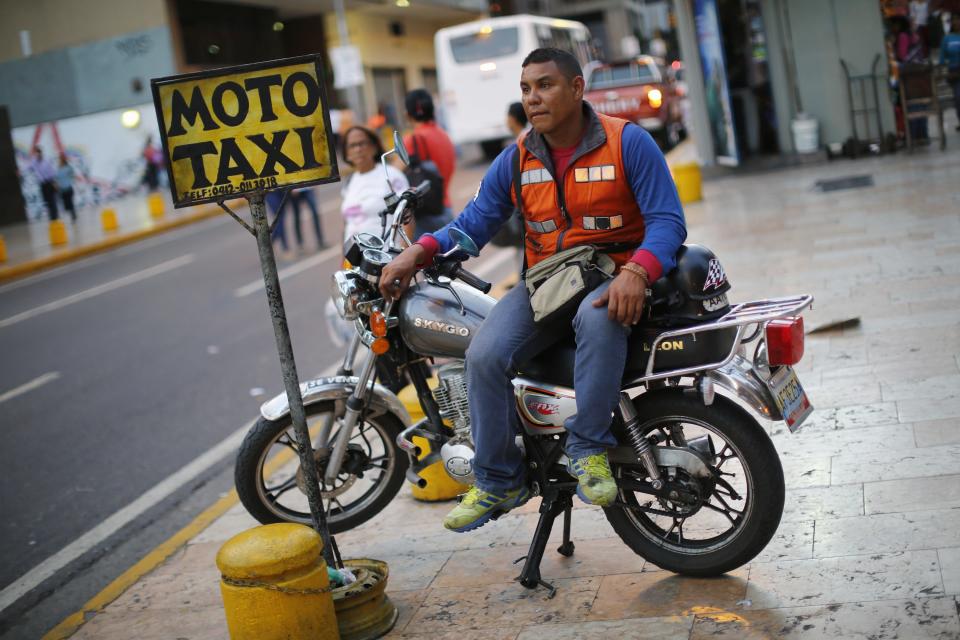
(785, 341)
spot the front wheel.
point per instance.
(715, 524)
(271, 484)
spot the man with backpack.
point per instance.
(432, 158)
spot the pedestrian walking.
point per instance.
(364, 190)
(153, 157)
(306, 198)
(430, 144)
(950, 57)
(46, 176)
(64, 182)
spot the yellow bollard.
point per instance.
(274, 585)
(3, 250)
(156, 205)
(108, 219)
(688, 180)
(58, 233)
(440, 486)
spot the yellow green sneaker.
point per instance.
(478, 506)
(595, 483)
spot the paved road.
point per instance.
(120, 370)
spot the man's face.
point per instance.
(549, 98)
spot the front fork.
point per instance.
(354, 405)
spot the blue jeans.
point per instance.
(506, 339)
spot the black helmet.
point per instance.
(694, 291)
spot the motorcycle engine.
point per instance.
(451, 396)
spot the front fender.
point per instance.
(382, 400)
(739, 378)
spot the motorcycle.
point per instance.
(700, 484)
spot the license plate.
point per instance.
(790, 397)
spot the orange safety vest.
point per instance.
(595, 204)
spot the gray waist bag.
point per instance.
(559, 284)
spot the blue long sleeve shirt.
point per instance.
(646, 170)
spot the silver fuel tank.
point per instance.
(431, 322)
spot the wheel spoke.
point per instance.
(289, 442)
(280, 489)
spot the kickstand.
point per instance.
(566, 549)
(551, 507)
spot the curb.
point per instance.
(40, 264)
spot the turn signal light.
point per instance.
(378, 324)
(655, 98)
(380, 346)
(785, 341)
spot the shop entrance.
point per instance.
(747, 68)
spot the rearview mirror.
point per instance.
(399, 147)
(464, 242)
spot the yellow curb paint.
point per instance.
(152, 560)
(108, 220)
(33, 266)
(148, 563)
(3, 249)
(156, 205)
(58, 233)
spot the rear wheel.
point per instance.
(715, 524)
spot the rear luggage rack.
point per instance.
(740, 316)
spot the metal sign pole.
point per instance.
(288, 366)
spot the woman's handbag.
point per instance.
(558, 284)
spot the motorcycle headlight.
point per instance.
(343, 292)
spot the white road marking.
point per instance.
(49, 567)
(29, 386)
(137, 276)
(286, 272)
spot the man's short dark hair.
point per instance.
(419, 105)
(515, 111)
(566, 62)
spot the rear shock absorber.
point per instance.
(640, 445)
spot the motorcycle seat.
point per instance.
(555, 365)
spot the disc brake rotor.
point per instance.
(345, 480)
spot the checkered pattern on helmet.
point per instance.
(715, 275)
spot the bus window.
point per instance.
(562, 40)
(485, 44)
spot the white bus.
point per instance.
(478, 69)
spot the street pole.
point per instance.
(291, 383)
(353, 93)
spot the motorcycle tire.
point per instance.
(250, 484)
(762, 470)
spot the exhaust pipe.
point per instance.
(405, 441)
(413, 478)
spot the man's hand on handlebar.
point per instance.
(400, 269)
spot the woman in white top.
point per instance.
(364, 191)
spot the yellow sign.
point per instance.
(244, 130)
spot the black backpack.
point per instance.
(419, 170)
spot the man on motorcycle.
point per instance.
(585, 179)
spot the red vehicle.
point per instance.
(642, 91)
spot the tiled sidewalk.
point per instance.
(869, 544)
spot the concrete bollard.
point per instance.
(688, 180)
(58, 233)
(108, 220)
(3, 249)
(440, 486)
(274, 585)
(156, 205)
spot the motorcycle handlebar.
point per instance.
(474, 281)
(419, 190)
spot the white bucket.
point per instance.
(806, 133)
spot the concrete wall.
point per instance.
(56, 24)
(107, 74)
(823, 32)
